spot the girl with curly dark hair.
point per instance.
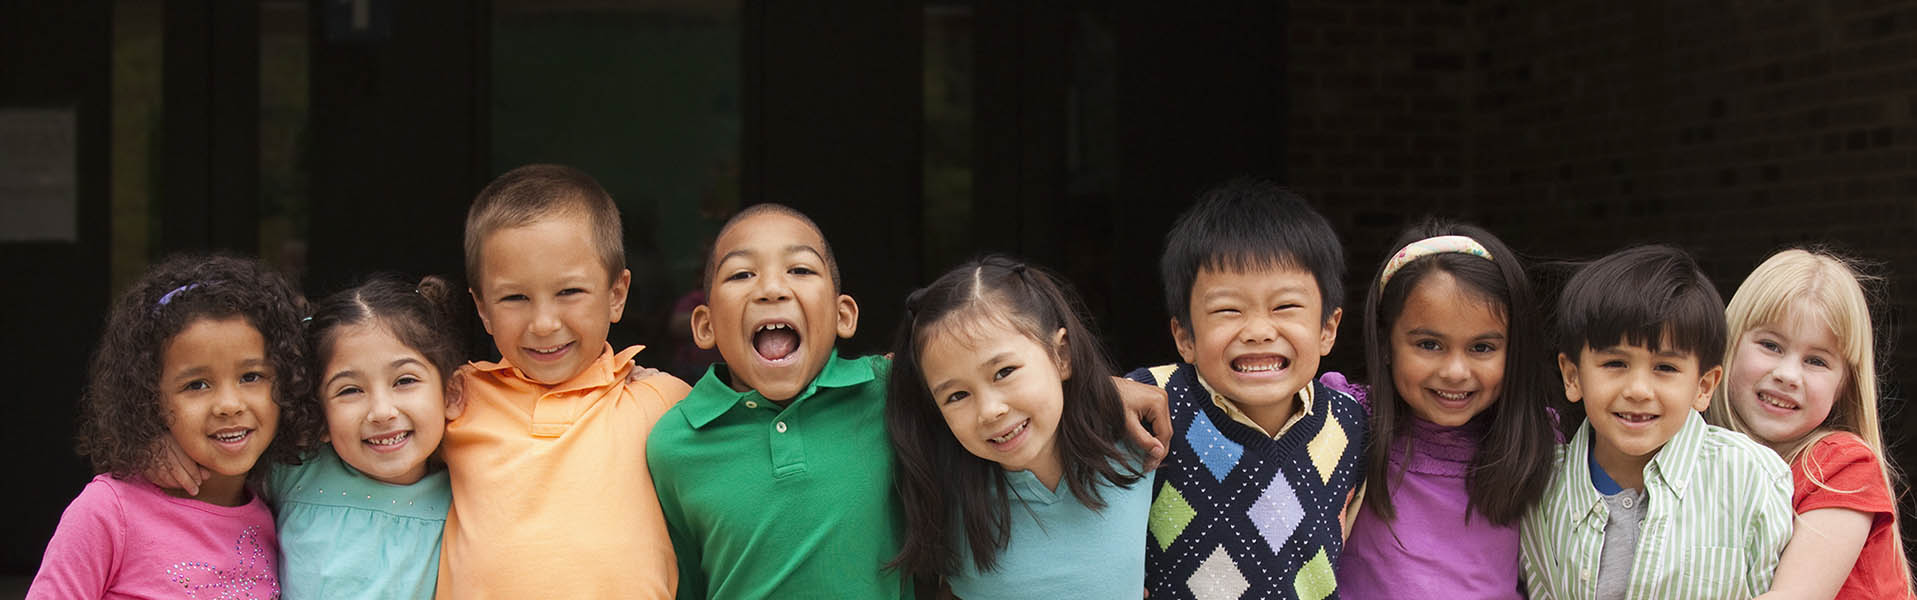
(205, 353)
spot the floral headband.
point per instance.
(1444, 244)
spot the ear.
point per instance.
(455, 397)
(620, 285)
(848, 315)
(1187, 347)
(479, 306)
(702, 334)
(1572, 390)
(1328, 334)
(1705, 385)
(1062, 355)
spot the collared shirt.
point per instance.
(551, 497)
(1719, 515)
(764, 501)
(1301, 408)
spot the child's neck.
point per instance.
(222, 490)
(1627, 471)
(1271, 417)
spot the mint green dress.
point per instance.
(346, 535)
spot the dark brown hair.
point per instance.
(532, 193)
(422, 316)
(121, 412)
(712, 262)
(1513, 461)
(947, 491)
(1650, 296)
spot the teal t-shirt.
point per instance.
(793, 502)
(346, 535)
(1060, 548)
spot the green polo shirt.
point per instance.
(793, 502)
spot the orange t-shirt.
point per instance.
(551, 496)
(1855, 480)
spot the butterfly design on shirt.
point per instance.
(251, 578)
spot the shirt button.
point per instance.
(1628, 502)
(780, 426)
(1584, 575)
(752, 404)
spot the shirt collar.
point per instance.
(1304, 399)
(712, 396)
(609, 367)
(1677, 461)
(1577, 479)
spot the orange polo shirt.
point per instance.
(551, 496)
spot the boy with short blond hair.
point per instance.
(551, 493)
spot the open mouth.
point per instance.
(1635, 418)
(548, 353)
(388, 441)
(775, 341)
(1775, 401)
(1260, 363)
(1012, 433)
(231, 437)
(1453, 399)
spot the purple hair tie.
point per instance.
(168, 297)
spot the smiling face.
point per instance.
(1785, 377)
(1447, 351)
(1636, 400)
(1256, 336)
(546, 298)
(385, 406)
(217, 388)
(773, 312)
(1000, 392)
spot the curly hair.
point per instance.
(423, 316)
(121, 413)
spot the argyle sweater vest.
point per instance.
(1236, 514)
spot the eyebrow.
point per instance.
(792, 249)
(1489, 335)
(995, 359)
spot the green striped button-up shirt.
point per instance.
(1719, 514)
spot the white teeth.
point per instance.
(233, 436)
(1260, 368)
(772, 326)
(1452, 395)
(1011, 434)
(1766, 398)
(390, 440)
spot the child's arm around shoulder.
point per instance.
(86, 546)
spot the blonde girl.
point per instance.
(1802, 380)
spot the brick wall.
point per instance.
(1574, 127)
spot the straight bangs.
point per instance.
(1649, 296)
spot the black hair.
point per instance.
(122, 414)
(422, 315)
(1513, 461)
(1651, 296)
(1248, 224)
(712, 261)
(947, 491)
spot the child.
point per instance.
(205, 351)
(1803, 381)
(774, 475)
(1461, 442)
(1000, 391)
(1265, 459)
(383, 350)
(1647, 501)
(551, 493)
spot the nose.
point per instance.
(545, 320)
(991, 408)
(1788, 372)
(1258, 330)
(227, 402)
(1638, 387)
(382, 408)
(1454, 368)
(773, 287)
